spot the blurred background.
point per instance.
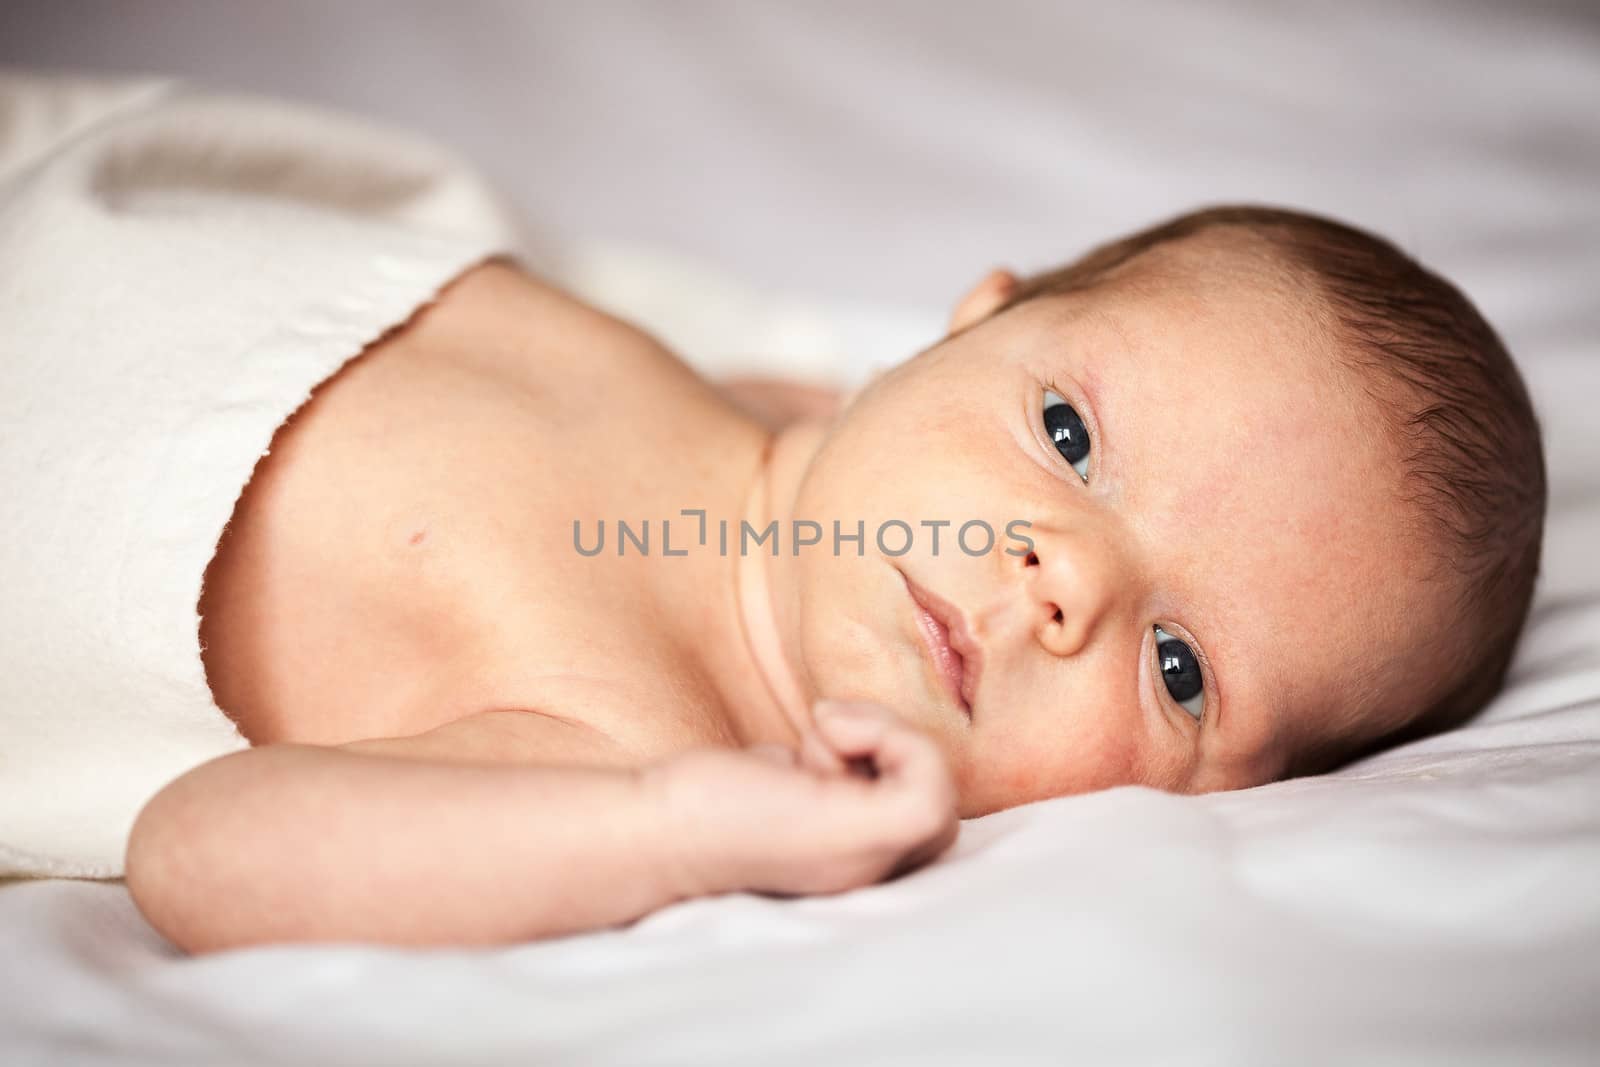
(816, 183)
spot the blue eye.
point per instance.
(1180, 673)
(1067, 431)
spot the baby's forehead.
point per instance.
(1235, 285)
(1252, 363)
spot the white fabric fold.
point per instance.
(178, 270)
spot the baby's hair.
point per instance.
(1459, 415)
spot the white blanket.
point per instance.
(178, 271)
(854, 167)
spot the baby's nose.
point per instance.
(1071, 584)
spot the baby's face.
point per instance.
(1219, 560)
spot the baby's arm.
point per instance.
(299, 842)
(401, 841)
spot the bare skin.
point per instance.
(404, 556)
(1237, 483)
(400, 580)
(464, 732)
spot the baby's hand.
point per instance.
(867, 798)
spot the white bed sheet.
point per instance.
(808, 185)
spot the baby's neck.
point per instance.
(714, 602)
(769, 499)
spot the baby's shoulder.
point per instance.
(500, 314)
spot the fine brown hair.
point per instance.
(1463, 425)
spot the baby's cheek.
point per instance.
(1022, 781)
(1018, 779)
(1030, 774)
(1094, 760)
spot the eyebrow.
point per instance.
(1091, 388)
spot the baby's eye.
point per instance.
(1066, 429)
(1180, 672)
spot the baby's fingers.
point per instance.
(914, 798)
(852, 733)
(819, 758)
(897, 749)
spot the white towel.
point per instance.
(177, 272)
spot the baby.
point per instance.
(1261, 494)
(532, 630)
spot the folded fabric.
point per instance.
(177, 272)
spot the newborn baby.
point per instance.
(1263, 493)
(531, 630)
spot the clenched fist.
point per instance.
(867, 797)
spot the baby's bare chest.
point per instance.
(405, 557)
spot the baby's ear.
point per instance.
(989, 294)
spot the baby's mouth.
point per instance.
(935, 620)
